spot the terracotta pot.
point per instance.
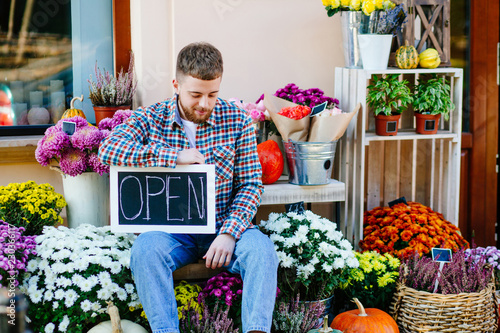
(427, 123)
(102, 112)
(387, 125)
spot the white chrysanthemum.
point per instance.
(32, 265)
(121, 294)
(103, 276)
(59, 294)
(325, 248)
(85, 285)
(289, 242)
(352, 262)
(338, 263)
(302, 230)
(48, 295)
(129, 288)
(55, 305)
(81, 264)
(326, 267)
(33, 281)
(114, 287)
(63, 325)
(36, 296)
(125, 259)
(49, 328)
(77, 279)
(287, 261)
(58, 267)
(63, 282)
(116, 267)
(71, 297)
(103, 294)
(277, 238)
(86, 305)
(314, 260)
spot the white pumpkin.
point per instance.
(116, 325)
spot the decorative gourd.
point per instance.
(407, 56)
(115, 325)
(325, 328)
(72, 112)
(271, 160)
(429, 58)
(365, 321)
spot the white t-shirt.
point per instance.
(190, 129)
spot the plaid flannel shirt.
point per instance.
(152, 136)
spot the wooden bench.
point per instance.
(196, 271)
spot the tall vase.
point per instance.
(87, 196)
(354, 23)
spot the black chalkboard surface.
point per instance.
(176, 200)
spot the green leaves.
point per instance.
(432, 96)
(388, 95)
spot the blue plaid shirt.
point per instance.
(152, 136)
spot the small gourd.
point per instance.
(72, 112)
(325, 328)
(429, 58)
(115, 325)
(407, 56)
(365, 321)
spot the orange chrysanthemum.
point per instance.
(403, 229)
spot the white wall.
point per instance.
(265, 44)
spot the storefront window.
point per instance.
(48, 48)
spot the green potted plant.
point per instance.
(388, 97)
(109, 93)
(431, 100)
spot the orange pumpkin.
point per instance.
(271, 160)
(72, 112)
(364, 321)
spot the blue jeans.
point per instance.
(156, 254)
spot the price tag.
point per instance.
(442, 256)
(397, 201)
(297, 207)
(68, 127)
(318, 109)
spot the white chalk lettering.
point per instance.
(168, 197)
(148, 194)
(201, 211)
(140, 196)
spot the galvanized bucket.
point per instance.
(310, 163)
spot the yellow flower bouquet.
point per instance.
(366, 6)
(31, 206)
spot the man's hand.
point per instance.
(190, 156)
(220, 251)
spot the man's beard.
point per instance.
(191, 115)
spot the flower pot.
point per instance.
(327, 303)
(102, 112)
(387, 125)
(427, 123)
(375, 50)
(87, 196)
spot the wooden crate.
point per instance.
(428, 23)
(379, 169)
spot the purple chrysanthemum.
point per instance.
(96, 165)
(51, 145)
(88, 137)
(73, 162)
(106, 124)
(118, 118)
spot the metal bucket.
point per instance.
(310, 163)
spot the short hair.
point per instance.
(200, 60)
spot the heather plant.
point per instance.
(464, 274)
(110, 90)
(31, 206)
(213, 320)
(223, 291)
(297, 317)
(14, 251)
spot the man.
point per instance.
(195, 126)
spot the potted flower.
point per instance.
(431, 100)
(31, 206)
(314, 258)
(75, 272)
(109, 93)
(389, 97)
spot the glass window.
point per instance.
(48, 49)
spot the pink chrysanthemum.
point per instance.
(88, 137)
(96, 165)
(73, 162)
(51, 145)
(118, 118)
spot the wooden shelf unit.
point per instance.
(378, 169)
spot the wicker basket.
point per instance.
(420, 311)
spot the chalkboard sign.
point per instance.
(297, 207)
(175, 200)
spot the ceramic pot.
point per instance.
(102, 112)
(427, 123)
(387, 125)
(375, 50)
